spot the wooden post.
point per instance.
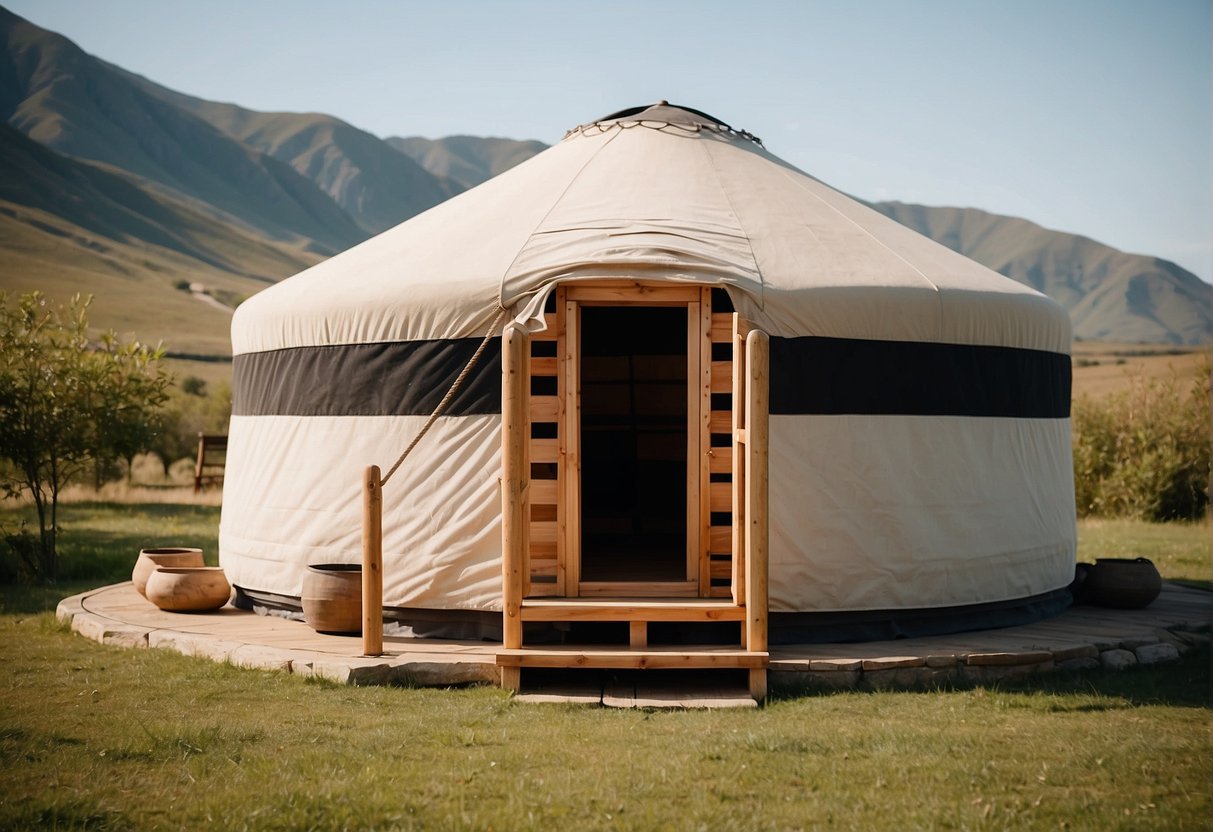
(514, 476)
(738, 452)
(372, 562)
(757, 465)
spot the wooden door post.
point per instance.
(515, 474)
(372, 562)
(757, 467)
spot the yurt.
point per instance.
(709, 382)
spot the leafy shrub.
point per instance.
(1144, 452)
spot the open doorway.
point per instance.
(633, 443)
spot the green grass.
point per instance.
(99, 542)
(107, 738)
(1183, 552)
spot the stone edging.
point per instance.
(901, 672)
(400, 670)
(428, 670)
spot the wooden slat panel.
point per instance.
(543, 492)
(722, 376)
(722, 421)
(616, 658)
(721, 461)
(721, 569)
(721, 540)
(590, 609)
(638, 589)
(543, 366)
(548, 334)
(722, 328)
(543, 532)
(544, 408)
(633, 293)
(722, 496)
(543, 550)
(545, 450)
(717, 592)
(542, 565)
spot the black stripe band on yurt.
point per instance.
(400, 378)
(841, 376)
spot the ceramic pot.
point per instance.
(1123, 583)
(332, 598)
(1078, 587)
(149, 559)
(188, 588)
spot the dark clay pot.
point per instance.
(1122, 583)
(332, 598)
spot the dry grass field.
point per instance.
(1101, 368)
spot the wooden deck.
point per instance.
(1080, 638)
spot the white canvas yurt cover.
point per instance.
(919, 432)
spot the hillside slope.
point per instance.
(468, 160)
(1110, 295)
(69, 101)
(374, 183)
(70, 226)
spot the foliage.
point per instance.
(1144, 451)
(189, 412)
(67, 403)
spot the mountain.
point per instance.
(374, 183)
(75, 104)
(467, 160)
(67, 226)
(1110, 295)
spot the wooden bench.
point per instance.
(212, 457)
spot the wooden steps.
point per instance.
(679, 657)
(638, 654)
(630, 609)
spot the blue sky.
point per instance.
(1089, 116)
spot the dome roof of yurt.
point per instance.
(920, 453)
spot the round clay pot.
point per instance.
(149, 559)
(1123, 583)
(332, 598)
(188, 588)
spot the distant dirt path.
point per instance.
(207, 299)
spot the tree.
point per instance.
(66, 403)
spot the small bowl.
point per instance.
(188, 588)
(149, 559)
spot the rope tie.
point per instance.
(450, 394)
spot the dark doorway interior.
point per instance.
(633, 443)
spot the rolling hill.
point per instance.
(69, 226)
(1111, 295)
(75, 104)
(468, 160)
(367, 177)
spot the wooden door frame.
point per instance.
(696, 299)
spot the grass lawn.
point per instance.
(101, 737)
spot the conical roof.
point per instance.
(659, 193)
